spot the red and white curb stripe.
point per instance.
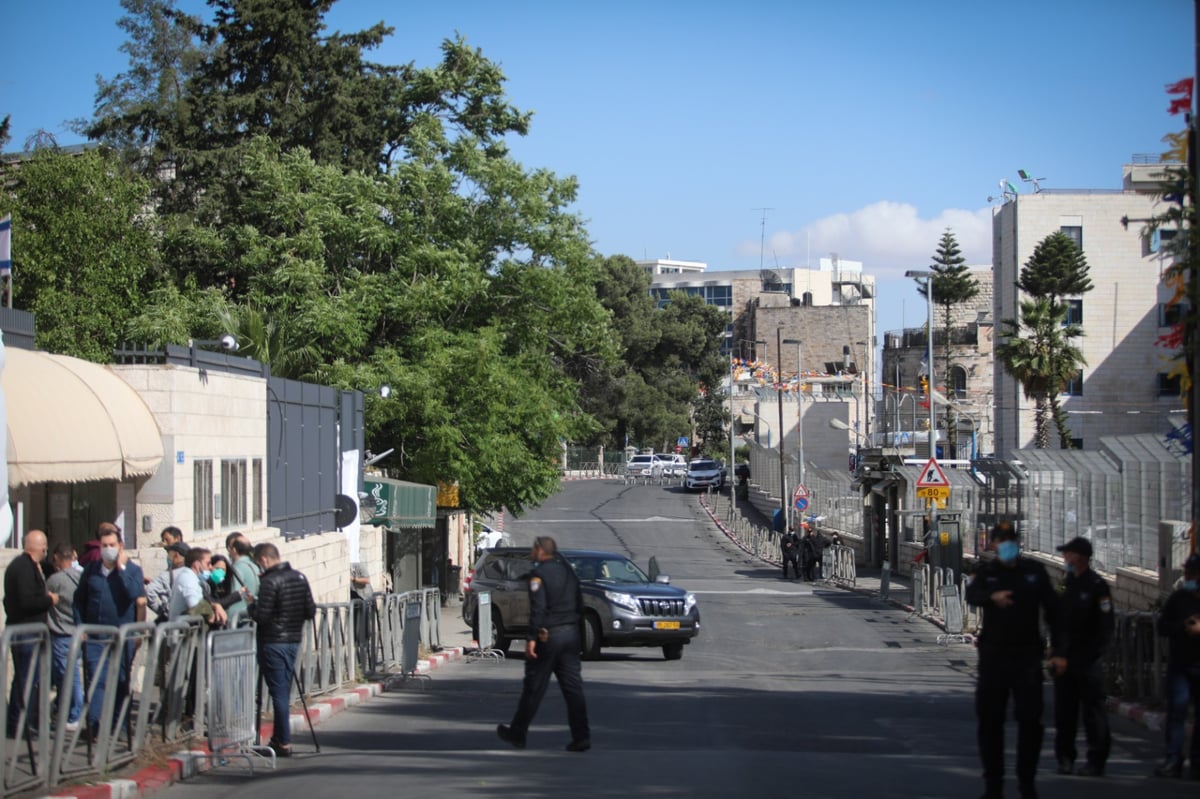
(188, 763)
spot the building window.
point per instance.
(1168, 385)
(202, 495)
(1160, 237)
(1074, 313)
(233, 492)
(958, 381)
(1171, 315)
(1076, 443)
(806, 299)
(1074, 233)
(256, 487)
(1074, 386)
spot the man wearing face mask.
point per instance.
(1082, 634)
(1179, 622)
(188, 597)
(108, 593)
(1010, 590)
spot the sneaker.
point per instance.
(507, 735)
(1169, 768)
(72, 726)
(582, 745)
(280, 749)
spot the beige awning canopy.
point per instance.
(71, 420)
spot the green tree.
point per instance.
(953, 285)
(1056, 270)
(1037, 352)
(85, 254)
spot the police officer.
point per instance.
(1179, 622)
(1010, 590)
(789, 547)
(555, 612)
(1082, 633)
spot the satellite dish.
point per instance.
(347, 511)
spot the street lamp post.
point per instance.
(799, 404)
(928, 276)
(783, 499)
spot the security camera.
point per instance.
(229, 343)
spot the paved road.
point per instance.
(790, 690)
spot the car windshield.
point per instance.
(608, 570)
(702, 466)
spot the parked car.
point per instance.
(646, 465)
(673, 464)
(623, 605)
(703, 473)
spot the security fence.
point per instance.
(145, 684)
(1115, 495)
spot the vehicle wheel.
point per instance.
(499, 639)
(591, 637)
(673, 651)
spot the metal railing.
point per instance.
(145, 683)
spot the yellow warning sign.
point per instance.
(940, 493)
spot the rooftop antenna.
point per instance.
(1025, 176)
(762, 235)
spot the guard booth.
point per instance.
(409, 512)
(946, 544)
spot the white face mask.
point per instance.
(75, 567)
(109, 554)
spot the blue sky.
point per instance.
(866, 126)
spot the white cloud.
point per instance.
(888, 237)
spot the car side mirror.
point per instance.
(663, 578)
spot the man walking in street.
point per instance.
(1082, 633)
(789, 547)
(283, 605)
(1179, 622)
(1011, 590)
(108, 593)
(26, 601)
(553, 647)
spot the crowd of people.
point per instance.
(104, 586)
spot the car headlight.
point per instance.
(689, 602)
(622, 600)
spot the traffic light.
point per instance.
(924, 384)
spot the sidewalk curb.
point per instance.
(187, 763)
(1135, 712)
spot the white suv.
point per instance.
(673, 465)
(643, 466)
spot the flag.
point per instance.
(1182, 87)
(1180, 105)
(6, 246)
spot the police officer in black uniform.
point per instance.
(1010, 590)
(1082, 633)
(555, 612)
(789, 547)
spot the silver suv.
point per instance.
(623, 605)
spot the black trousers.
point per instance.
(1081, 691)
(1002, 674)
(558, 656)
(791, 558)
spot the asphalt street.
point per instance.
(790, 690)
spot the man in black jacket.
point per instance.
(1010, 590)
(283, 605)
(555, 612)
(1082, 634)
(1179, 622)
(26, 601)
(789, 547)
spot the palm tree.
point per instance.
(1037, 352)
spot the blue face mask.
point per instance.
(1191, 585)
(1007, 551)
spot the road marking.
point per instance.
(771, 591)
(658, 519)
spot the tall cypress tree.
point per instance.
(952, 285)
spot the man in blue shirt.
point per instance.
(109, 593)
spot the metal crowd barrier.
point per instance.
(231, 667)
(327, 653)
(379, 628)
(1136, 664)
(26, 757)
